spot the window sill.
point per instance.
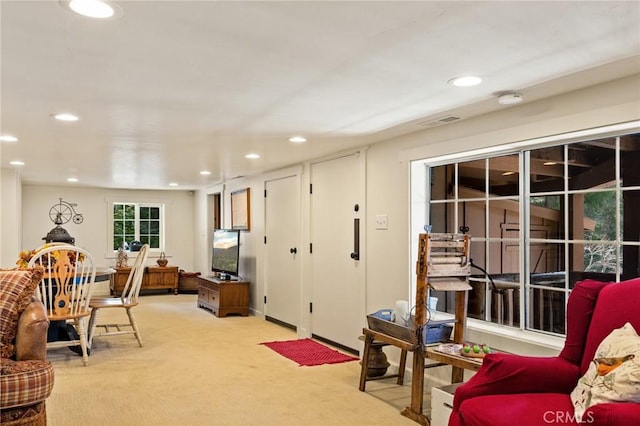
(541, 340)
(508, 338)
(153, 254)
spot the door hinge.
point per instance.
(265, 193)
(310, 307)
(310, 247)
(265, 239)
(265, 300)
(310, 188)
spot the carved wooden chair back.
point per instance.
(66, 289)
(67, 284)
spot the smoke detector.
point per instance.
(510, 98)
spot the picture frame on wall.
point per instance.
(241, 209)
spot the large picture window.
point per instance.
(138, 222)
(541, 219)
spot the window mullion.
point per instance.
(525, 238)
(619, 213)
(137, 222)
(487, 260)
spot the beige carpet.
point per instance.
(196, 369)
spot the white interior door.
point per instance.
(282, 251)
(337, 279)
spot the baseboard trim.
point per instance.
(281, 323)
(337, 345)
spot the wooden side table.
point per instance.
(154, 278)
(223, 297)
(372, 338)
(456, 361)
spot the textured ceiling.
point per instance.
(170, 88)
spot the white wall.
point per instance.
(10, 217)
(93, 233)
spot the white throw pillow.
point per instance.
(613, 375)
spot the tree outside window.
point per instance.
(137, 222)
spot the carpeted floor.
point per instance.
(196, 369)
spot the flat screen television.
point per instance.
(226, 253)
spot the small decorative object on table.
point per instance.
(449, 348)
(121, 261)
(162, 261)
(474, 350)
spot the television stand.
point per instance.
(223, 297)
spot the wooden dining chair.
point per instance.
(127, 300)
(65, 290)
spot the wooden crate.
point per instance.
(435, 331)
(391, 329)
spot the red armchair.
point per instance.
(512, 389)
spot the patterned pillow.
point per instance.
(614, 374)
(17, 286)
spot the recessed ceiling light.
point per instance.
(508, 173)
(252, 156)
(8, 138)
(91, 8)
(16, 163)
(205, 172)
(65, 117)
(297, 139)
(510, 98)
(465, 81)
(72, 179)
(173, 184)
(549, 163)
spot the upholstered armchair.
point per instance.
(26, 378)
(510, 389)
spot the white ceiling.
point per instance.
(170, 88)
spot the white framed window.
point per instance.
(542, 217)
(143, 222)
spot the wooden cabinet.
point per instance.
(223, 297)
(154, 278)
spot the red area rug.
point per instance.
(307, 352)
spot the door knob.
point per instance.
(293, 250)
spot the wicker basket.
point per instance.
(162, 261)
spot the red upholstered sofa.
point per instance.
(521, 390)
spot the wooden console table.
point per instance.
(154, 278)
(223, 297)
